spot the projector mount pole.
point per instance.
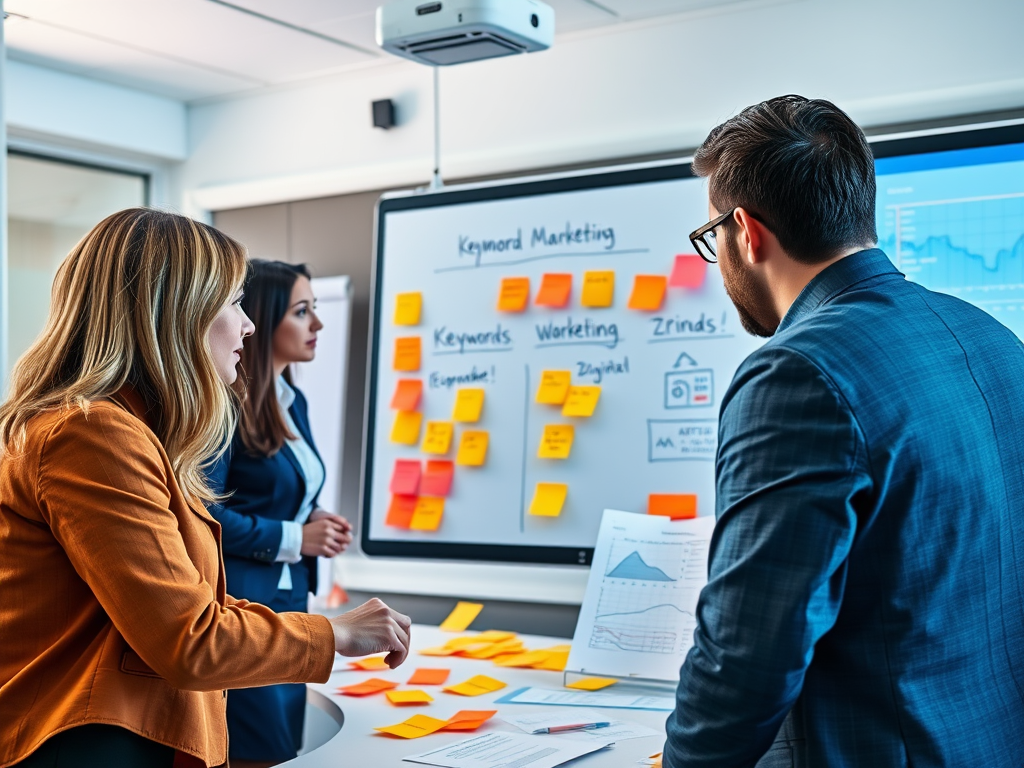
(435, 182)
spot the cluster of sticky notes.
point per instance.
(461, 616)
(484, 645)
(590, 684)
(556, 388)
(422, 725)
(548, 499)
(677, 506)
(553, 659)
(478, 685)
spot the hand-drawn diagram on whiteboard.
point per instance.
(638, 615)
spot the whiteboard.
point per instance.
(649, 433)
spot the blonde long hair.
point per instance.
(132, 305)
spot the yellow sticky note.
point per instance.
(472, 448)
(408, 307)
(438, 650)
(409, 697)
(476, 686)
(554, 387)
(527, 659)
(414, 727)
(370, 663)
(427, 515)
(548, 499)
(461, 617)
(407, 353)
(491, 650)
(590, 684)
(598, 289)
(438, 437)
(581, 401)
(495, 635)
(514, 294)
(556, 442)
(555, 662)
(406, 429)
(468, 405)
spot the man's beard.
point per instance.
(749, 293)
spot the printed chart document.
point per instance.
(562, 698)
(504, 750)
(638, 613)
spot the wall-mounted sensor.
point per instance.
(384, 114)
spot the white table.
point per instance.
(357, 744)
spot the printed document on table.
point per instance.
(500, 750)
(562, 698)
(639, 610)
(616, 730)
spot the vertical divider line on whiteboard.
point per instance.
(526, 437)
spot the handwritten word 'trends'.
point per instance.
(446, 341)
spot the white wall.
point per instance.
(631, 89)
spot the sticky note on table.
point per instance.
(408, 307)
(371, 662)
(428, 676)
(590, 684)
(472, 448)
(427, 514)
(581, 401)
(438, 438)
(407, 395)
(555, 662)
(548, 499)
(405, 480)
(469, 719)
(438, 650)
(688, 271)
(437, 480)
(554, 290)
(400, 511)
(407, 353)
(648, 292)
(415, 727)
(476, 686)
(556, 442)
(368, 687)
(461, 616)
(554, 387)
(406, 429)
(468, 405)
(514, 294)
(678, 506)
(409, 697)
(598, 289)
(527, 659)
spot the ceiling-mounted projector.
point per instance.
(457, 31)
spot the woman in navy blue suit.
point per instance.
(272, 527)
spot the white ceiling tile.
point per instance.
(311, 12)
(358, 30)
(575, 15)
(646, 9)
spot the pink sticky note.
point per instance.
(406, 478)
(437, 480)
(688, 271)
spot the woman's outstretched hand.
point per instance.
(372, 628)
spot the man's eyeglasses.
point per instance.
(705, 240)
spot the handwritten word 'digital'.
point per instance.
(445, 340)
(597, 371)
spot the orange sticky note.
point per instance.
(688, 271)
(648, 292)
(514, 294)
(554, 290)
(427, 514)
(428, 676)
(370, 663)
(415, 727)
(405, 480)
(472, 448)
(598, 289)
(548, 499)
(406, 429)
(581, 401)
(469, 719)
(403, 698)
(461, 617)
(437, 480)
(408, 307)
(407, 353)
(554, 387)
(439, 650)
(407, 395)
(590, 684)
(439, 437)
(491, 650)
(400, 511)
(678, 506)
(556, 442)
(468, 405)
(367, 687)
(476, 686)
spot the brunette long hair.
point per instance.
(268, 291)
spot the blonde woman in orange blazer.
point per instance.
(117, 640)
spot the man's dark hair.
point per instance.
(802, 167)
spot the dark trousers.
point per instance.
(99, 746)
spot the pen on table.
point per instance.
(575, 727)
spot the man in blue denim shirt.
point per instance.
(865, 601)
